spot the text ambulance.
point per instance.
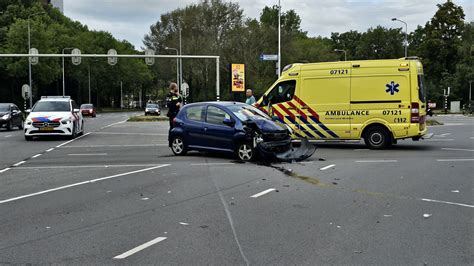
(378, 100)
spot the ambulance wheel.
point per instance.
(377, 138)
(178, 147)
(245, 152)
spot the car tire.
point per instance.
(377, 138)
(28, 138)
(178, 146)
(74, 134)
(20, 126)
(82, 129)
(245, 152)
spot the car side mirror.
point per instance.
(77, 110)
(228, 121)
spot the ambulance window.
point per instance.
(282, 92)
(421, 88)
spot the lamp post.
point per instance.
(177, 63)
(470, 94)
(180, 63)
(89, 76)
(64, 77)
(29, 58)
(342, 51)
(406, 35)
(279, 39)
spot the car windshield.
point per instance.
(247, 112)
(4, 107)
(152, 106)
(87, 106)
(50, 106)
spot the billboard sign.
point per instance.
(238, 77)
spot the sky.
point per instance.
(131, 19)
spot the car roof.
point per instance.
(55, 100)
(225, 103)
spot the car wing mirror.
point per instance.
(228, 121)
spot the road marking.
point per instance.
(7, 136)
(448, 202)
(455, 160)
(263, 193)
(67, 142)
(4, 170)
(113, 124)
(327, 167)
(139, 248)
(438, 140)
(452, 149)
(87, 154)
(205, 164)
(443, 135)
(377, 161)
(19, 163)
(36, 156)
(117, 146)
(127, 133)
(84, 166)
(81, 183)
(48, 150)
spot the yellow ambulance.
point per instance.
(379, 101)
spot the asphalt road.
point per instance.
(118, 196)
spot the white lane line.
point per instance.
(87, 154)
(449, 202)
(48, 150)
(443, 135)
(4, 170)
(263, 193)
(205, 164)
(455, 160)
(438, 140)
(81, 183)
(452, 149)
(36, 156)
(67, 142)
(113, 124)
(84, 166)
(139, 248)
(126, 133)
(19, 163)
(117, 146)
(327, 167)
(7, 136)
(377, 161)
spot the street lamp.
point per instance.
(406, 35)
(64, 77)
(279, 39)
(29, 58)
(342, 51)
(177, 63)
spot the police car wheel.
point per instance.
(28, 138)
(377, 138)
(178, 147)
(245, 151)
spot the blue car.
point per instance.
(231, 127)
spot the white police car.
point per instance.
(54, 115)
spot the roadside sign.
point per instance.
(268, 57)
(112, 59)
(34, 60)
(185, 89)
(149, 60)
(238, 77)
(76, 60)
(26, 91)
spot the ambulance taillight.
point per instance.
(415, 113)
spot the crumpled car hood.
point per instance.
(301, 153)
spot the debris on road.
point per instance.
(358, 251)
(455, 191)
(427, 215)
(387, 215)
(145, 198)
(181, 223)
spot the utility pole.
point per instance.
(64, 76)
(406, 35)
(279, 40)
(180, 63)
(29, 58)
(121, 95)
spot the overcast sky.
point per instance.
(131, 19)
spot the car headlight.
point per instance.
(5, 117)
(146, 110)
(28, 121)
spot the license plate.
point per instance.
(46, 128)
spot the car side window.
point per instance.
(74, 105)
(216, 115)
(194, 113)
(282, 92)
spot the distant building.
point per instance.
(59, 4)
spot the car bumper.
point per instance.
(153, 113)
(61, 130)
(87, 113)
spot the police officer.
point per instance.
(173, 102)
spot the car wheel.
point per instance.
(74, 134)
(28, 138)
(82, 129)
(178, 147)
(20, 126)
(377, 138)
(245, 151)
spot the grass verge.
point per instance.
(432, 122)
(142, 118)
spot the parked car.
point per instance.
(152, 109)
(88, 109)
(10, 116)
(235, 128)
(54, 116)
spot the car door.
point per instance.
(14, 112)
(218, 136)
(193, 125)
(19, 115)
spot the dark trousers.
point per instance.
(171, 117)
